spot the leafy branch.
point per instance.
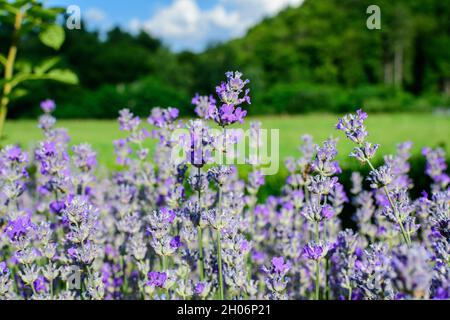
(27, 16)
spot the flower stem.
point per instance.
(200, 251)
(200, 231)
(317, 280)
(404, 234)
(51, 289)
(219, 262)
(394, 208)
(218, 232)
(317, 265)
(164, 263)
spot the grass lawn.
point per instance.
(385, 129)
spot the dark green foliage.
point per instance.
(318, 57)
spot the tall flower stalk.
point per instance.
(199, 147)
(231, 94)
(353, 126)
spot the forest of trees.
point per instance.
(317, 57)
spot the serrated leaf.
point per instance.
(52, 36)
(63, 75)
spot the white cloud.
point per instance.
(260, 8)
(94, 15)
(184, 25)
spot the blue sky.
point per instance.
(181, 24)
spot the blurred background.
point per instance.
(301, 56)
(309, 61)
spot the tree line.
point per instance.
(316, 57)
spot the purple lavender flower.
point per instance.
(205, 106)
(400, 167)
(343, 259)
(13, 173)
(84, 157)
(324, 163)
(412, 273)
(48, 106)
(127, 121)
(315, 212)
(255, 180)
(353, 126)
(176, 242)
(82, 219)
(160, 222)
(315, 250)
(280, 266)
(200, 144)
(436, 168)
(40, 284)
(163, 117)
(220, 174)
(56, 207)
(3, 268)
(231, 95)
(157, 279)
(18, 228)
(122, 151)
(380, 177)
(373, 273)
(276, 278)
(199, 288)
(365, 152)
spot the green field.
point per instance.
(385, 129)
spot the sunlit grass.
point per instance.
(385, 129)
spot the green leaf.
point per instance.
(24, 66)
(9, 8)
(3, 60)
(44, 13)
(63, 75)
(52, 36)
(46, 65)
(18, 93)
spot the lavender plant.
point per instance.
(165, 227)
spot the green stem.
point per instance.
(200, 250)
(164, 263)
(9, 68)
(51, 289)
(3, 113)
(327, 264)
(394, 208)
(34, 290)
(317, 266)
(124, 274)
(253, 225)
(219, 261)
(200, 233)
(327, 270)
(218, 232)
(317, 280)
(404, 233)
